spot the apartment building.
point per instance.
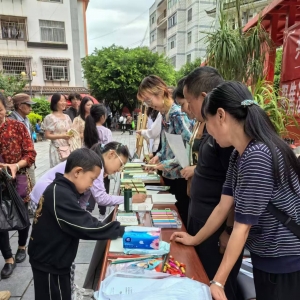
(44, 41)
(248, 10)
(178, 28)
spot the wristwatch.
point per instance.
(229, 229)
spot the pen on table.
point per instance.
(135, 187)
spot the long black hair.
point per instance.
(152, 113)
(83, 102)
(54, 99)
(90, 134)
(257, 125)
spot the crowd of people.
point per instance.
(238, 168)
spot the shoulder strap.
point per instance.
(286, 220)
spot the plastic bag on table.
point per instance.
(149, 286)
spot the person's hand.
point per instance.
(187, 172)
(154, 160)
(13, 169)
(159, 167)
(217, 292)
(138, 132)
(65, 136)
(223, 241)
(139, 198)
(183, 238)
(151, 155)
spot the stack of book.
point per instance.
(163, 218)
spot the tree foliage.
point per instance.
(11, 85)
(33, 118)
(114, 73)
(41, 107)
(277, 72)
(187, 68)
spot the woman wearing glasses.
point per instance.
(56, 127)
(154, 93)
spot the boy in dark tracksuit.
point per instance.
(60, 222)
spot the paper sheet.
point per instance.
(176, 144)
(163, 199)
(145, 206)
(116, 245)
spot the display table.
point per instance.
(182, 253)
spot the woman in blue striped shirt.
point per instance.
(262, 170)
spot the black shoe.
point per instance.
(20, 255)
(8, 270)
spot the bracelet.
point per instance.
(217, 284)
(18, 167)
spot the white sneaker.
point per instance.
(83, 292)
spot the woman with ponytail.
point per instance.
(154, 93)
(94, 130)
(262, 185)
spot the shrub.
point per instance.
(33, 118)
(41, 107)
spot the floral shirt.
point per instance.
(175, 122)
(78, 125)
(16, 143)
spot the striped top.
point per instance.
(250, 180)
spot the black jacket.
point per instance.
(59, 224)
(72, 113)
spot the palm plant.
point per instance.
(237, 55)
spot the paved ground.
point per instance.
(20, 284)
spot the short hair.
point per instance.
(54, 99)
(178, 92)
(74, 96)
(202, 79)
(83, 158)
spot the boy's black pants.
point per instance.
(51, 287)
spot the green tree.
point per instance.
(114, 73)
(41, 107)
(11, 85)
(187, 68)
(33, 118)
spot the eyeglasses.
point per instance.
(121, 161)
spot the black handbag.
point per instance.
(13, 212)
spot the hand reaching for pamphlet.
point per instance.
(154, 160)
(183, 238)
(139, 198)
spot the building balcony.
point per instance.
(162, 18)
(232, 4)
(13, 28)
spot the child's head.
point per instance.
(82, 168)
(115, 156)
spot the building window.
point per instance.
(189, 37)
(14, 66)
(171, 3)
(152, 36)
(56, 69)
(172, 20)
(188, 58)
(54, 1)
(172, 42)
(52, 31)
(173, 61)
(12, 28)
(152, 19)
(190, 14)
